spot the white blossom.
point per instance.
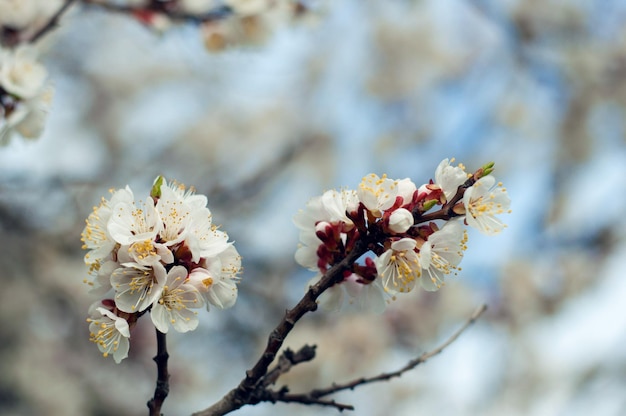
(135, 227)
(35, 112)
(102, 282)
(204, 239)
(306, 254)
(136, 288)
(188, 196)
(95, 236)
(399, 266)
(377, 193)
(449, 177)
(441, 254)
(330, 208)
(132, 222)
(217, 281)
(175, 214)
(20, 73)
(144, 253)
(24, 96)
(483, 201)
(109, 332)
(174, 306)
(18, 13)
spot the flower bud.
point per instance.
(400, 220)
(324, 231)
(406, 189)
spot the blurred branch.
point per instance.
(162, 385)
(169, 9)
(53, 22)
(256, 182)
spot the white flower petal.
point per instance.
(399, 267)
(109, 332)
(449, 177)
(377, 194)
(483, 201)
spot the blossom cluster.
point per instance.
(161, 255)
(409, 242)
(25, 95)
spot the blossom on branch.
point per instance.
(441, 253)
(483, 202)
(399, 266)
(324, 226)
(109, 332)
(217, 278)
(408, 238)
(161, 255)
(95, 236)
(177, 298)
(377, 193)
(448, 178)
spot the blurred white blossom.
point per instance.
(25, 96)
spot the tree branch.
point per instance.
(447, 211)
(52, 23)
(246, 391)
(287, 360)
(283, 396)
(218, 13)
(162, 384)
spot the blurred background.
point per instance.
(261, 116)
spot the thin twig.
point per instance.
(284, 397)
(287, 360)
(314, 396)
(53, 22)
(162, 384)
(409, 366)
